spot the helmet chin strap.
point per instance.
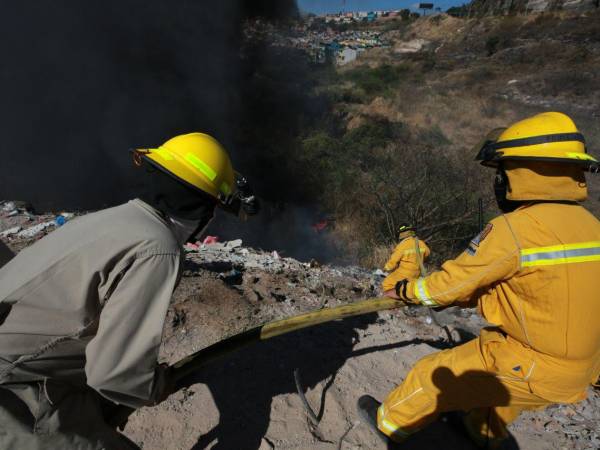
(500, 190)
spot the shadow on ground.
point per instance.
(243, 398)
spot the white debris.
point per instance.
(380, 273)
(512, 82)
(9, 207)
(36, 229)
(10, 231)
(234, 244)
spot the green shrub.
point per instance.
(433, 136)
(376, 80)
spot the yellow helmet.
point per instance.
(550, 136)
(196, 159)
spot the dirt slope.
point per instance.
(249, 401)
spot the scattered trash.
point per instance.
(35, 230)
(380, 273)
(234, 244)
(275, 254)
(9, 207)
(14, 208)
(191, 247)
(10, 231)
(60, 221)
(62, 218)
(210, 240)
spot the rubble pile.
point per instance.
(20, 225)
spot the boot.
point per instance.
(367, 408)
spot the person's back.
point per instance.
(550, 305)
(82, 310)
(58, 287)
(560, 263)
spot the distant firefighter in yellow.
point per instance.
(404, 261)
(533, 274)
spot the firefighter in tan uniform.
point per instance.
(533, 273)
(83, 308)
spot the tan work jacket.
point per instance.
(86, 304)
(534, 274)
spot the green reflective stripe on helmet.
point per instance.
(422, 293)
(204, 168)
(561, 254)
(583, 156)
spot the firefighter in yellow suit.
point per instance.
(404, 261)
(533, 274)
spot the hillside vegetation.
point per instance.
(395, 142)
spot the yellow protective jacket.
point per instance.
(533, 273)
(403, 263)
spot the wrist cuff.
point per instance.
(401, 289)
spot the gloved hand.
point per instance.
(403, 262)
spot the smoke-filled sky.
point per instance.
(332, 6)
(83, 82)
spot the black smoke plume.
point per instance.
(82, 82)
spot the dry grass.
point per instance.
(451, 95)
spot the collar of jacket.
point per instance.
(184, 229)
(181, 229)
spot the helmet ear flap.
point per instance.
(501, 188)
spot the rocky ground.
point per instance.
(249, 400)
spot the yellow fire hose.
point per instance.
(192, 363)
(195, 361)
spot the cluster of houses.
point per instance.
(322, 44)
(337, 47)
(359, 16)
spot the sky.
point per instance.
(327, 6)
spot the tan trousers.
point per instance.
(36, 416)
(458, 380)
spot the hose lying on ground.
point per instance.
(186, 367)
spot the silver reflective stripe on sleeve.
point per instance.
(561, 254)
(422, 293)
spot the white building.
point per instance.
(346, 55)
